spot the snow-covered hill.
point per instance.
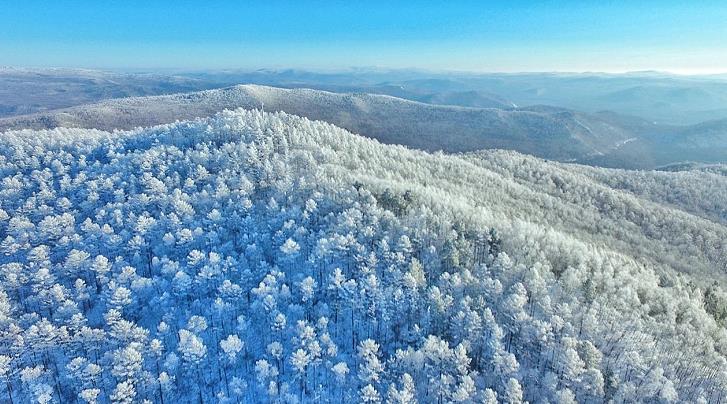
(257, 257)
(552, 133)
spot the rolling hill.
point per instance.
(604, 139)
(655, 96)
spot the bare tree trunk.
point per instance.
(10, 391)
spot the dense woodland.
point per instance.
(265, 257)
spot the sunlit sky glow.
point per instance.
(680, 37)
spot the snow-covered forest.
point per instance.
(259, 257)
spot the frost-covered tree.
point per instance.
(264, 257)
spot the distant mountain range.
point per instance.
(26, 91)
(658, 97)
(605, 138)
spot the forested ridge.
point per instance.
(602, 139)
(264, 257)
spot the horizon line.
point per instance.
(350, 69)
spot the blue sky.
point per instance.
(684, 37)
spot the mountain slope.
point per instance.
(258, 257)
(656, 96)
(701, 190)
(553, 134)
(664, 98)
(603, 139)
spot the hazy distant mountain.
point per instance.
(657, 97)
(661, 97)
(25, 91)
(470, 98)
(552, 133)
(704, 142)
(606, 139)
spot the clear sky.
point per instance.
(682, 37)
